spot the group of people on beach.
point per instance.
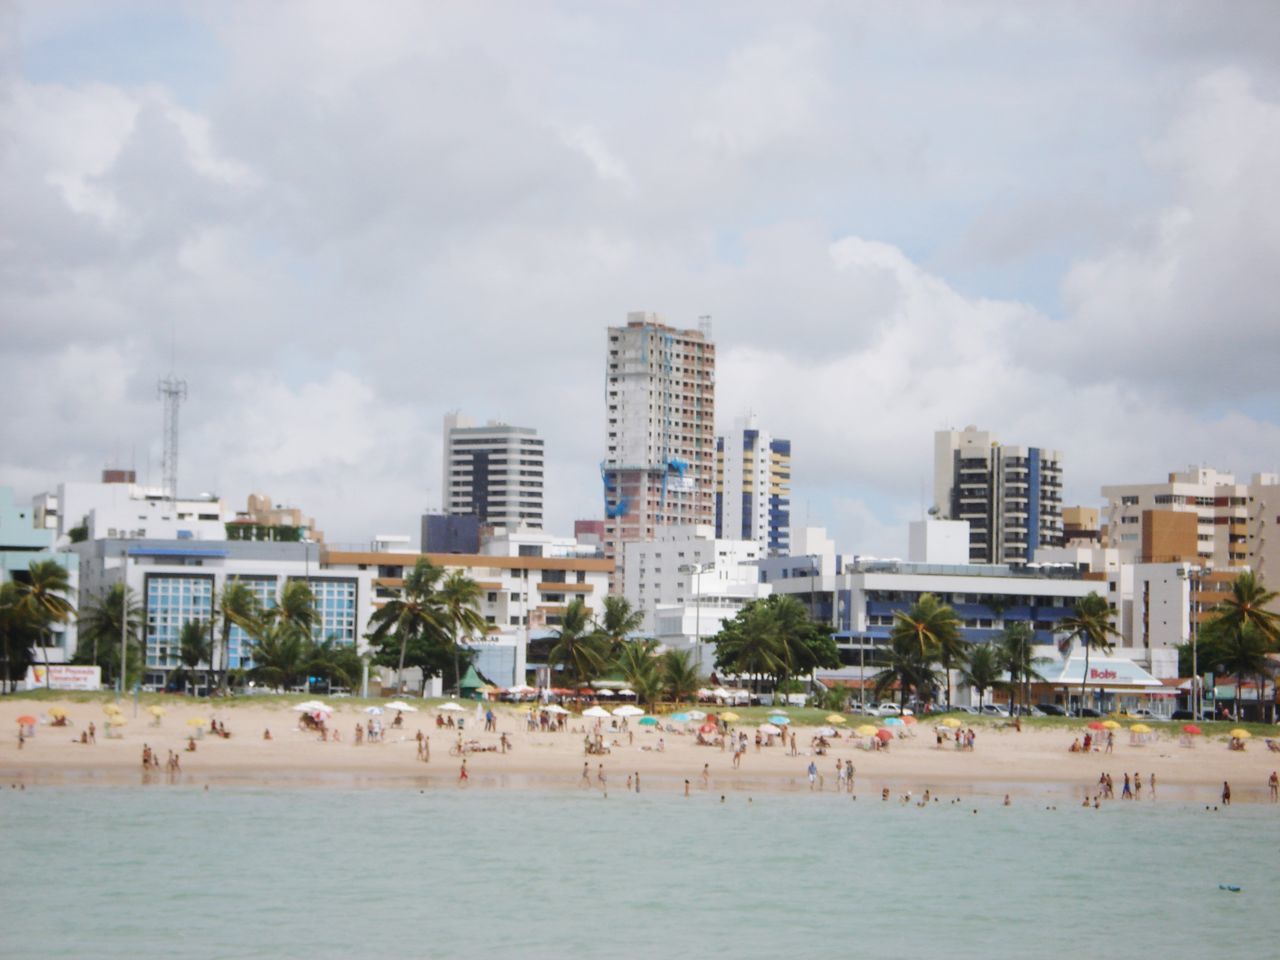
(151, 760)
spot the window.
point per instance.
(1129, 501)
(493, 596)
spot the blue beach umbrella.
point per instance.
(648, 721)
(680, 718)
(780, 720)
(893, 722)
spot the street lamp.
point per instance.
(697, 569)
(1188, 573)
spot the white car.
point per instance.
(993, 710)
(884, 710)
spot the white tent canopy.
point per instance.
(1104, 672)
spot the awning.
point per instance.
(1104, 672)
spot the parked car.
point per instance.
(993, 710)
(1088, 712)
(885, 709)
(1145, 715)
(1190, 715)
(1051, 710)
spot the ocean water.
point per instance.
(166, 871)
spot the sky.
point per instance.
(337, 222)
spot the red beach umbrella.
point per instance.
(1192, 729)
(1097, 725)
(707, 728)
(26, 720)
(884, 734)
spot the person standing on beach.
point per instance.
(637, 781)
(586, 774)
(1126, 792)
(793, 744)
(462, 772)
(813, 774)
(92, 732)
(1273, 784)
(600, 777)
(706, 775)
(1137, 785)
(1226, 794)
(1111, 740)
(686, 788)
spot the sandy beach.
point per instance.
(1032, 762)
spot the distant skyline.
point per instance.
(1057, 222)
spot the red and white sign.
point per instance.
(64, 677)
(1095, 674)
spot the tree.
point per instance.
(803, 643)
(415, 614)
(619, 621)
(238, 607)
(983, 670)
(297, 608)
(1016, 650)
(42, 599)
(99, 634)
(907, 668)
(638, 663)
(577, 649)
(279, 655)
(679, 675)
(459, 598)
(935, 630)
(1238, 650)
(774, 637)
(1090, 624)
(1246, 629)
(334, 662)
(194, 647)
(18, 633)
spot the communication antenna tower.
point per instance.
(172, 391)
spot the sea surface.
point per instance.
(174, 871)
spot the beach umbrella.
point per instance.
(769, 729)
(110, 708)
(117, 720)
(703, 693)
(26, 720)
(721, 692)
(156, 711)
(951, 722)
(627, 710)
(308, 705)
(555, 708)
(401, 705)
(909, 720)
(835, 718)
(867, 730)
(1111, 724)
(57, 712)
(595, 712)
(604, 693)
(893, 721)
(826, 731)
(196, 721)
(1097, 726)
(648, 721)
(729, 716)
(680, 718)
(373, 711)
(1240, 733)
(779, 719)
(452, 707)
(1140, 728)
(626, 692)
(697, 715)
(1192, 729)
(707, 728)
(885, 734)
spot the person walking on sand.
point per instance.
(462, 772)
(1126, 792)
(706, 775)
(813, 774)
(793, 744)
(1226, 794)
(1137, 785)
(92, 732)
(1273, 784)
(1111, 741)
(586, 774)
(600, 778)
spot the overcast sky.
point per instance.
(1060, 222)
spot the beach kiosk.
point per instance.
(1112, 684)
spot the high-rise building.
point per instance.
(1011, 496)
(1198, 516)
(494, 472)
(753, 487)
(659, 468)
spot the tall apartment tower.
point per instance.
(494, 472)
(753, 488)
(1198, 516)
(659, 469)
(1011, 496)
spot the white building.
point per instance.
(659, 466)
(753, 487)
(495, 472)
(938, 541)
(120, 508)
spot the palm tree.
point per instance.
(279, 655)
(414, 613)
(239, 607)
(18, 632)
(194, 647)
(905, 666)
(619, 621)
(577, 649)
(42, 598)
(1090, 624)
(459, 597)
(983, 671)
(100, 628)
(1016, 648)
(935, 630)
(297, 608)
(1246, 628)
(336, 662)
(679, 674)
(749, 644)
(638, 663)
(792, 628)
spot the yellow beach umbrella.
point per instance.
(835, 718)
(729, 716)
(1111, 724)
(196, 721)
(1240, 733)
(110, 708)
(951, 722)
(117, 720)
(1140, 728)
(866, 730)
(156, 710)
(57, 712)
